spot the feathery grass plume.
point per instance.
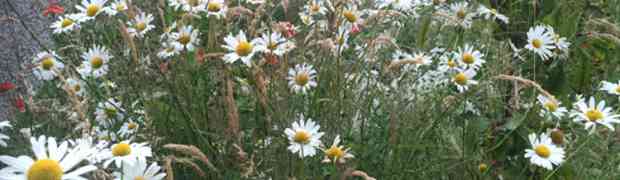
(350, 172)
(168, 167)
(231, 106)
(193, 152)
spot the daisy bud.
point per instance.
(483, 167)
(557, 137)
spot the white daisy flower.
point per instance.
(76, 86)
(108, 112)
(551, 106)
(341, 39)
(239, 48)
(301, 78)
(560, 43)
(47, 65)
(401, 5)
(52, 161)
(447, 63)
(592, 114)
(89, 9)
(272, 44)
(194, 7)
(463, 79)
(186, 38)
(540, 41)
(315, 7)
(126, 152)
(169, 50)
(140, 171)
(470, 58)
(96, 146)
(336, 153)
(118, 6)
(3, 137)
(140, 25)
(461, 14)
(305, 18)
(352, 15)
(544, 153)
(491, 14)
(66, 23)
(304, 137)
(176, 4)
(611, 88)
(128, 129)
(216, 8)
(95, 62)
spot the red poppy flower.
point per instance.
(6, 86)
(53, 9)
(20, 105)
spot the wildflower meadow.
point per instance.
(316, 89)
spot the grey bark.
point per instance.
(18, 19)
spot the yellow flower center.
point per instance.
(537, 43)
(302, 78)
(120, 7)
(77, 88)
(461, 14)
(92, 10)
(315, 7)
(96, 62)
(194, 3)
(140, 26)
(618, 89)
(350, 16)
(493, 11)
(334, 152)
(45, 169)
(47, 63)
(551, 106)
(460, 79)
(302, 137)
(184, 38)
(121, 149)
(214, 7)
(66, 22)
(139, 178)
(110, 112)
(451, 63)
(272, 45)
(132, 125)
(468, 58)
(542, 151)
(594, 115)
(243, 48)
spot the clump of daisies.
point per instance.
(304, 137)
(544, 152)
(543, 41)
